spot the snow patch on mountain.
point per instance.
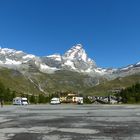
(46, 69)
(128, 67)
(56, 57)
(70, 64)
(6, 50)
(138, 63)
(12, 62)
(100, 71)
(28, 56)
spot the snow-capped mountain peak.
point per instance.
(6, 51)
(12, 59)
(77, 59)
(78, 46)
(76, 52)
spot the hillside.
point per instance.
(17, 82)
(121, 82)
(37, 82)
(61, 81)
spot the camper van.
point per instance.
(55, 101)
(20, 101)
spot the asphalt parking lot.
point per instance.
(70, 122)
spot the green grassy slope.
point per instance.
(64, 81)
(16, 81)
(103, 88)
(61, 81)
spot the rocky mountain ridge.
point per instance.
(74, 59)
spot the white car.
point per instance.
(55, 100)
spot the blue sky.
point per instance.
(109, 30)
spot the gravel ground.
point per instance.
(70, 122)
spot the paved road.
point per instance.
(70, 122)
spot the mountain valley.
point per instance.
(74, 71)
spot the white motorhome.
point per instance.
(20, 101)
(55, 100)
